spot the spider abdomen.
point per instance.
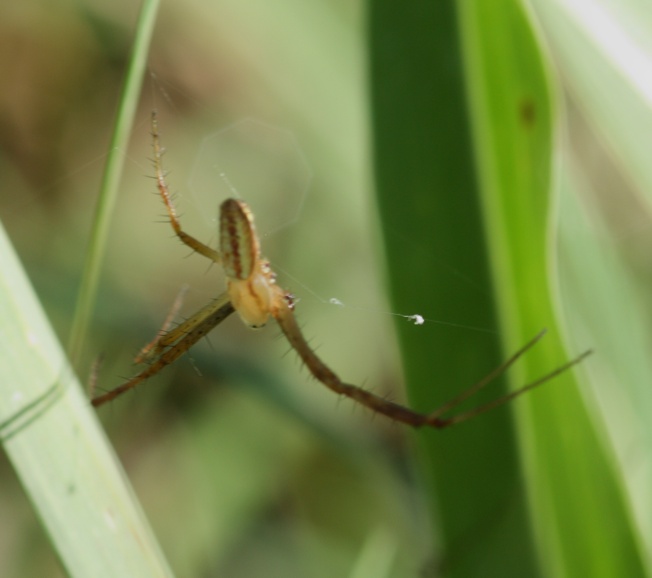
(239, 247)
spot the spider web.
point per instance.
(257, 162)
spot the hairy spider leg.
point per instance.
(219, 311)
(154, 347)
(189, 240)
(459, 418)
(326, 376)
(168, 338)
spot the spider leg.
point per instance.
(154, 347)
(285, 318)
(504, 399)
(162, 186)
(212, 316)
(167, 338)
(167, 346)
(94, 374)
(487, 379)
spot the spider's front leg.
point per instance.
(437, 419)
(162, 186)
(284, 316)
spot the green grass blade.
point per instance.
(431, 214)
(111, 178)
(575, 493)
(464, 200)
(59, 452)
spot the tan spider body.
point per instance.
(251, 284)
(252, 291)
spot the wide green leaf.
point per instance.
(463, 120)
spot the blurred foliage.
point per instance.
(245, 467)
(263, 472)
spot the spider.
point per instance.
(252, 291)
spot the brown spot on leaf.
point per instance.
(527, 112)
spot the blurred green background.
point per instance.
(244, 466)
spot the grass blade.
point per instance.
(464, 200)
(572, 482)
(111, 178)
(432, 218)
(53, 439)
